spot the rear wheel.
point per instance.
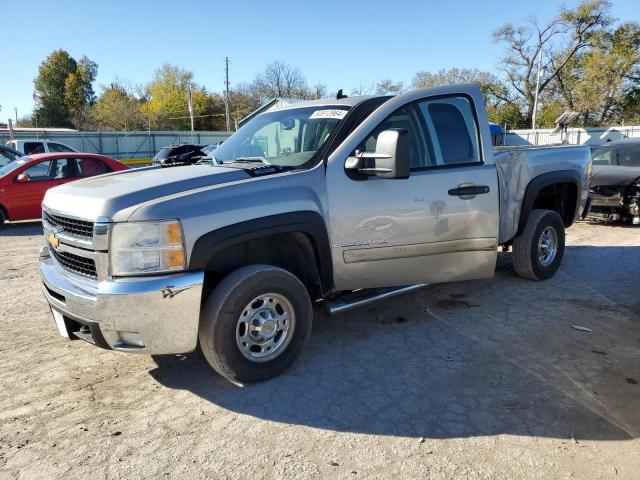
(255, 323)
(538, 251)
(2, 217)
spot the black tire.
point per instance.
(526, 257)
(222, 311)
(2, 218)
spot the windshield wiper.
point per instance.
(250, 159)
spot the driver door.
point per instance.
(393, 232)
(28, 196)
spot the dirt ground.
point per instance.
(483, 379)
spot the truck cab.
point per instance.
(335, 202)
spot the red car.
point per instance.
(23, 182)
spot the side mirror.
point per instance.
(23, 178)
(390, 160)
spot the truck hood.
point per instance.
(117, 193)
(610, 175)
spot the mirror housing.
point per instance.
(23, 178)
(390, 160)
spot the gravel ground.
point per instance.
(483, 379)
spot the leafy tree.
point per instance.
(118, 109)
(168, 104)
(50, 84)
(78, 92)
(597, 81)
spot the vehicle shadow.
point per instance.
(21, 229)
(455, 360)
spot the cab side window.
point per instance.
(452, 126)
(33, 148)
(39, 171)
(57, 147)
(420, 147)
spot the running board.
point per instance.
(359, 298)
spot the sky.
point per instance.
(339, 43)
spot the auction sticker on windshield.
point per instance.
(333, 113)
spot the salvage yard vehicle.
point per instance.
(615, 188)
(24, 182)
(32, 147)
(182, 154)
(333, 202)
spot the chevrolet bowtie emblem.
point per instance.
(53, 240)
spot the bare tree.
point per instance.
(363, 89)
(280, 80)
(558, 42)
(388, 87)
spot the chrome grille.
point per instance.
(75, 263)
(80, 228)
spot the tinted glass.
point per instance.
(57, 147)
(13, 165)
(629, 156)
(88, 167)
(604, 156)
(452, 127)
(33, 147)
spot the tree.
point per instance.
(388, 87)
(167, 107)
(362, 89)
(559, 41)
(78, 92)
(118, 109)
(280, 80)
(50, 84)
(596, 82)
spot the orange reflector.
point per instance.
(174, 234)
(175, 258)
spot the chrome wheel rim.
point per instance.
(547, 246)
(265, 327)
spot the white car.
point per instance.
(28, 147)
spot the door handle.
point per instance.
(469, 190)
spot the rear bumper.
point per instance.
(155, 315)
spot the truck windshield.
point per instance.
(286, 138)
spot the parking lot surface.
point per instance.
(482, 379)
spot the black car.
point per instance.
(615, 186)
(8, 155)
(183, 154)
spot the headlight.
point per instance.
(146, 247)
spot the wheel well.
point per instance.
(4, 210)
(559, 197)
(295, 252)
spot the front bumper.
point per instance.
(155, 315)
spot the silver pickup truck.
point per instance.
(332, 202)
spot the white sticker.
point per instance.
(333, 113)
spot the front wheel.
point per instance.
(538, 251)
(255, 323)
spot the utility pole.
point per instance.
(535, 102)
(16, 109)
(191, 109)
(226, 96)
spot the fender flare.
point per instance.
(308, 222)
(536, 185)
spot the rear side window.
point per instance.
(604, 156)
(89, 167)
(629, 156)
(33, 148)
(452, 129)
(57, 147)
